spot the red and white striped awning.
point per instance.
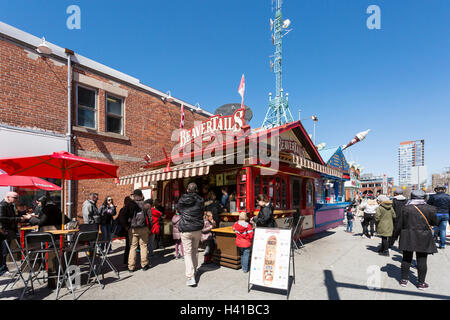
(185, 170)
(305, 163)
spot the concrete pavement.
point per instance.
(333, 265)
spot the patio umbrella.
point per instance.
(27, 182)
(59, 165)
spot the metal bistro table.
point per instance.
(51, 265)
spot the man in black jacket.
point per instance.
(191, 207)
(441, 201)
(139, 231)
(265, 216)
(398, 202)
(8, 227)
(50, 217)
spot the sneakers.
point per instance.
(145, 268)
(131, 271)
(403, 283)
(363, 236)
(423, 286)
(6, 274)
(191, 282)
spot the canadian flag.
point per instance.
(182, 117)
(241, 89)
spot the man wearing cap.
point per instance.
(8, 227)
(441, 201)
(416, 235)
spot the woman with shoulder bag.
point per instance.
(416, 235)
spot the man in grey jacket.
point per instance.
(90, 210)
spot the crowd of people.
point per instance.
(418, 223)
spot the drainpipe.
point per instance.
(69, 124)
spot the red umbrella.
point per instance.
(59, 165)
(27, 182)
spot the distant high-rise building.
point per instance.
(410, 154)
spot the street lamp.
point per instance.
(315, 119)
(43, 47)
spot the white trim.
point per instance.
(96, 106)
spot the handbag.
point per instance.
(424, 218)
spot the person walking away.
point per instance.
(265, 216)
(213, 205)
(207, 236)
(416, 235)
(139, 230)
(176, 234)
(398, 202)
(441, 201)
(107, 211)
(350, 218)
(244, 237)
(384, 218)
(8, 227)
(90, 210)
(191, 207)
(369, 208)
(124, 223)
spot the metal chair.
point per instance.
(45, 245)
(104, 255)
(87, 242)
(18, 273)
(298, 231)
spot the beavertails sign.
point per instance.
(232, 123)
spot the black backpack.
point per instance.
(139, 219)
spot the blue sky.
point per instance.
(394, 81)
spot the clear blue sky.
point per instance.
(395, 81)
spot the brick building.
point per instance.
(114, 118)
(373, 185)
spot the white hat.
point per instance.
(382, 198)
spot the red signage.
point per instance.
(232, 123)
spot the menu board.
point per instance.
(270, 258)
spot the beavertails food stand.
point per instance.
(223, 151)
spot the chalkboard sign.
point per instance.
(270, 260)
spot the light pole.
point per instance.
(315, 119)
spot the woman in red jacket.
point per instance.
(156, 228)
(244, 237)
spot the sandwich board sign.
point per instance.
(271, 257)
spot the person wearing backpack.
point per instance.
(139, 230)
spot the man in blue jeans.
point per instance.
(441, 201)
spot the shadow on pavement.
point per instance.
(333, 285)
(318, 236)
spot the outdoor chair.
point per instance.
(42, 245)
(105, 255)
(85, 241)
(18, 272)
(297, 232)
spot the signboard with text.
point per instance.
(270, 258)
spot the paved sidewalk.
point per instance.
(333, 265)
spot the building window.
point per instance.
(114, 114)
(86, 107)
(275, 187)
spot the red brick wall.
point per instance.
(33, 93)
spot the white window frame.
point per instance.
(85, 107)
